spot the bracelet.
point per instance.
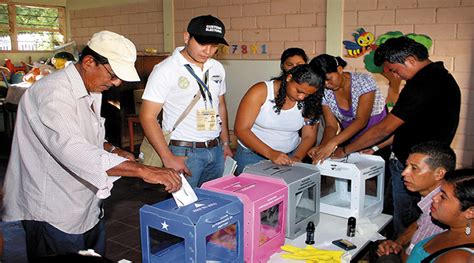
(112, 149)
(226, 143)
(375, 148)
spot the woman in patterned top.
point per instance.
(351, 100)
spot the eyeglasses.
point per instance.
(113, 77)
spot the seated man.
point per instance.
(425, 168)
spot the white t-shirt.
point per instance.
(171, 84)
(279, 131)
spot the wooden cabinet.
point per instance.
(118, 103)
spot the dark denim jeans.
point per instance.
(245, 157)
(405, 208)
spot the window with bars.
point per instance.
(29, 28)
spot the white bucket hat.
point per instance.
(119, 51)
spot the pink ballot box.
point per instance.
(265, 205)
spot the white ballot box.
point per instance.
(352, 186)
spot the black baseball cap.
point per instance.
(207, 30)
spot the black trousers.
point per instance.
(43, 240)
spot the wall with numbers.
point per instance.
(260, 30)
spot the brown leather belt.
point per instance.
(206, 144)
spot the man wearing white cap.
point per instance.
(200, 142)
(60, 167)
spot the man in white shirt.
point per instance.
(61, 168)
(200, 142)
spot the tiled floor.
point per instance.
(121, 215)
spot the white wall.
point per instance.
(241, 75)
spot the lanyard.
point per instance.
(202, 85)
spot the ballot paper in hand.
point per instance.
(185, 195)
(229, 166)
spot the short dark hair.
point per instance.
(293, 51)
(65, 55)
(439, 154)
(397, 50)
(288, 53)
(327, 63)
(97, 57)
(463, 182)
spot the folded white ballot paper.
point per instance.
(185, 195)
(229, 166)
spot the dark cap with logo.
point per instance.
(207, 30)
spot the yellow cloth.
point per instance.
(312, 254)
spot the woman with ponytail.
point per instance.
(272, 113)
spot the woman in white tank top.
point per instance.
(272, 113)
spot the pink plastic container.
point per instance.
(265, 210)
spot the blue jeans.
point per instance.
(405, 208)
(205, 164)
(245, 157)
(43, 240)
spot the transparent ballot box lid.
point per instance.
(220, 246)
(305, 203)
(337, 192)
(270, 223)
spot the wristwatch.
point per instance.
(375, 148)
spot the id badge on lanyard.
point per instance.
(207, 117)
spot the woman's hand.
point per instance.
(339, 153)
(278, 157)
(314, 154)
(322, 152)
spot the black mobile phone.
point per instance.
(344, 244)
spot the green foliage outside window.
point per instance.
(36, 27)
(37, 17)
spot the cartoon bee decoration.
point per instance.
(363, 42)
